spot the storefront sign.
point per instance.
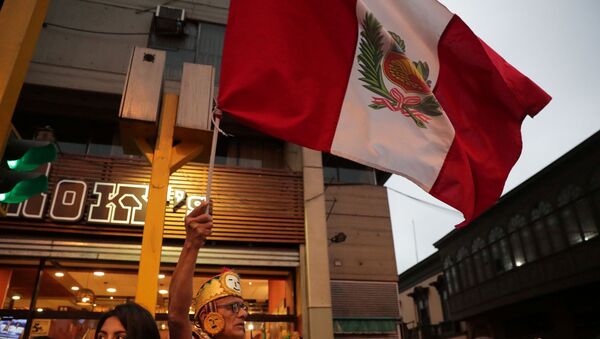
(112, 203)
(40, 327)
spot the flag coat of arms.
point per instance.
(403, 86)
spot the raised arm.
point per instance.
(198, 226)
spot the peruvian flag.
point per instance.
(403, 86)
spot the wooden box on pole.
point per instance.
(194, 110)
(195, 97)
(141, 98)
(142, 92)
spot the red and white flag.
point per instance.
(399, 85)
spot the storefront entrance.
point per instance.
(63, 298)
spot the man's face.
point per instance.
(234, 322)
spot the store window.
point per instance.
(339, 170)
(72, 295)
(41, 291)
(271, 303)
(17, 286)
(80, 122)
(89, 138)
(250, 152)
(201, 43)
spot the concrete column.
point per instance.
(318, 290)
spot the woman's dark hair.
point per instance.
(136, 320)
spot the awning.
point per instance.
(231, 256)
(364, 326)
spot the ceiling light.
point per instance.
(99, 273)
(85, 297)
(59, 274)
(40, 309)
(163, 291)
(161, 276)
(250, 283)
(111, 290)
(111, 297)
(16, 297)
(75, 288)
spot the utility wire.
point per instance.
(153, 7)
(108, 4)
(415, 240)
(425, 202)
(92, 32)
(140, 10)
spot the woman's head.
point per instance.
(130, 321)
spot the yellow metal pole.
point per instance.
(147, 285)
(20, 25)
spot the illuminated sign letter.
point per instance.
(68, 201)
(119, 204)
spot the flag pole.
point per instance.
(217, 114)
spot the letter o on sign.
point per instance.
(68, 201)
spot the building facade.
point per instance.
(73, 253)
(363, 266)
(424, 303)
(529, 266)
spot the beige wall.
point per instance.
(110, 53)
(408, 308)
(98, 62)
(362, 213)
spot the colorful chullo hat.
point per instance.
(225, 284)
